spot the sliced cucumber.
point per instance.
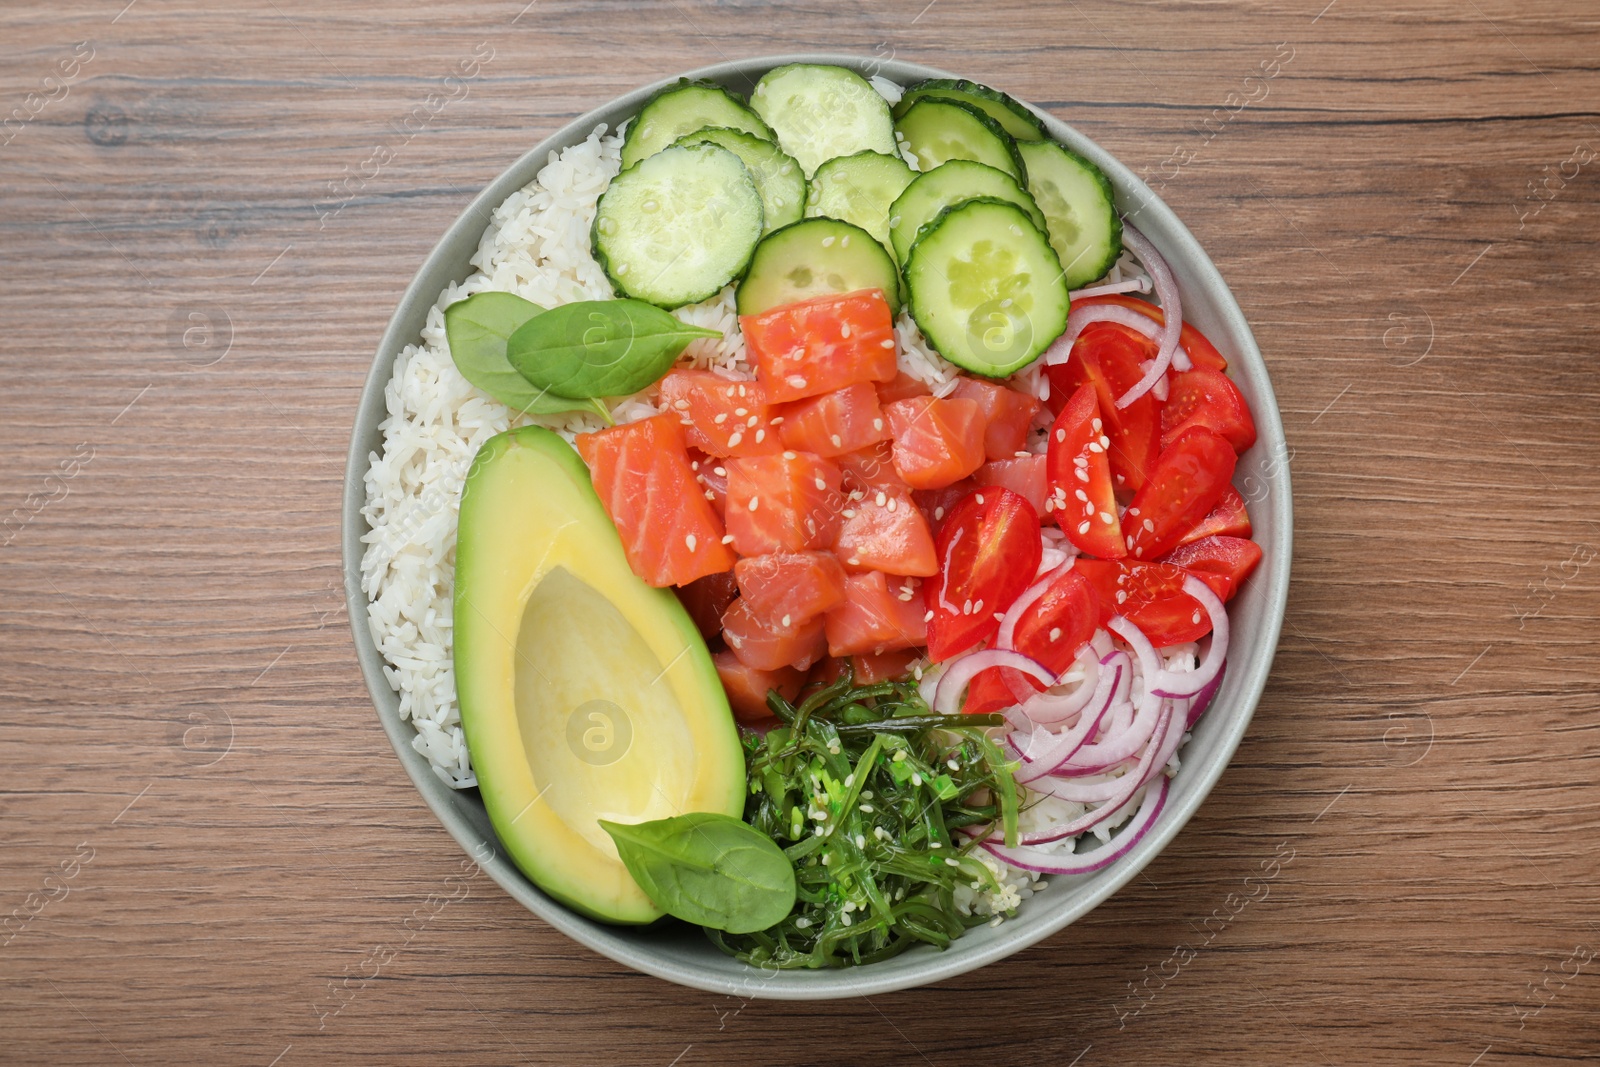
(1078, 207)
(986, 287)
(948, 184)
(777, 175)
(679, 225)
(1014, 118)
(821, 112)
(683, 108)
(936, 131)
(859, 189)
(815, 257)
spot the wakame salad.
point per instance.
(848, 526)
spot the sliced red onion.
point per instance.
(1047, 709)
(947, 697)
(1120, 746)
(1188, 683)
(1131, 285)
(1079, 319)
(1130, 784)
(1033, 859)
(1078, 790)
(1171, 330)
(1036, 763)
(1202, 700)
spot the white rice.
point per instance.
(536, 246)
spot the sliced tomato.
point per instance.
(790, 586)
(1188, 481)
(641, 472)
(845, 420)
(871, 468)
(879, 614)
(1082, 501)
(712, 474)
(788, 502)
(823, 344)
(1228, 518)
(883, 667)
(747, 687)
(1007, 415)
(1110, 357)
(936, 442)
(1221, 562)
(902, 387)
(1201, 352)
(1205, 397)
(721, 417)
(1052, 630)
(1149, 595)
(706, 599)
(988, 550)
(1027, 476)
(884, 531)
(766, 644)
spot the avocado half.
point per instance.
(585, 694)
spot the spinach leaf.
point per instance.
(708, 869)
(477, 329)
(600, 347)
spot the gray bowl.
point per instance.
(681, 954)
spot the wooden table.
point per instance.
(210, 854)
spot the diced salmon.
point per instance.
(641, 472)
(844, 420)
(787, 502)
(720, 416)
(819, 345)
(884, 531)
(1007, 413)
(936, 442)
(1027, 476)
(880, 614)
(871, 468)
(747, 687)
(902, 387)
(712, 475)
(706, 599)
(790, 586)
(767, 645)
(883, 667)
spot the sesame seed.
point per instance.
(1106, 516)
(1105, 442)
(734, 438)
(1096, 446)
(1055, 633)
(760, 436)
(848, 513)
(821, 483)
(978, 497)
(927, 616)
(786, 620)
(1083, 527)
(966, 607)
(727, 539)
(741, 412)
(887, 343)
(1081, 495)
(775, 422)
(881, 500)
(1122, 596)
(1081, 474)
(854, 561)
(797, 381)
(877, 424)
(741, 390)
(681, 405)
(977, 607)
(1080, 461)
(844, 330)
(711, 496)
(938, 513)
(721, 418)
(1149, 527)
(787, 454)
(689, 540)
(891, 504)
(999, 616)
(838, 442)
(1061, 435)
(755, 502)
(752, 420)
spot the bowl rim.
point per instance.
(1177, 244)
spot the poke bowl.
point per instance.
(1027, 853)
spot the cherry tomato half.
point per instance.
(1110, 357)
(1219, 561)
(1081, 498)
(988, 550)
(1205, 397)
(1149, 595)
(1052, 631)
(1188, 480)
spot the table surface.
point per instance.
(210, 853)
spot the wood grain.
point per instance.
(186, 732)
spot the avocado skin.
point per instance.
(528, 512)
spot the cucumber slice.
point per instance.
(677, 226)
(1078, 207)
(683, 108)
(815, 257)
(777, 175)
(986, 287)
(936, 131)
(820, 113)
(1014, 118)
(946, 185)
(859, 189)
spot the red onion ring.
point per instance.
(1047, 709)
(1131, 285)
(1202, 700)
(1061, 747)
(1030, 859)
(1131, 783)
(958, 672)
(1188, 683)
(1079, 319)
(1119, 747)
(1171, 330)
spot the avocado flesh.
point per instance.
(585, 694)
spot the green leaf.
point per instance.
(600, 347)
(709, 869)
(477, 329)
